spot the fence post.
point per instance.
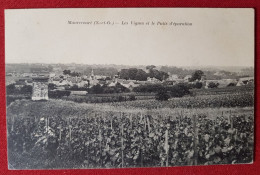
(46, 125)
(195, 139)
(130, 117)
(122, 144)
(166, 147)
(12, 120)
(70, 129)
(100, 138)
(231, 120)
(59, 132)
(148, 123)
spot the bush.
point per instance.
(58, 94)
(51, 86)
(10, 89)
(27, 90)
(198, 85)
(131, 97)
(231, 84)
(148, 88)
(196, 75)
(180, 90)
(97, 89)
(10, 99)
(213, 85)
(162, 95)
(121, 98)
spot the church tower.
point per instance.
(92, 75)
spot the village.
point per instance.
(70, 106)
(79, 84)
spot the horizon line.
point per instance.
(139, 64)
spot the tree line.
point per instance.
(141, 75)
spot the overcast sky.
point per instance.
(217, 37)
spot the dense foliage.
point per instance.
(14, 93)
(213, 85)
(98, 89)
(148, 88)
(58, 94)
(178, 90)
(141, 75)
(197, 75)
(162, 95)
(86, 136)
(210, 73)
(70, 73)
(24, 90)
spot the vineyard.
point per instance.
(225, 90)
(109, 98)
(203, 101)
(64, 134)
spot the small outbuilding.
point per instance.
(40, 88)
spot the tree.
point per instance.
(51, 86)
(120, 88)
(121, 98)
(132, 97)
(132, 73)
(10, 89)
(148, 88)
(162, 95)
(150, 67)
(141, 75)
(160, 75)
(231, 84)
(58, 94)
(124, 74)
(108, 78)
(75, 74)
(196, 75)
(163, 75)
(74, 87)
(27, 89)
(180, 90)
(213, 85)
(66, 72)
(109, 90)
(97, 89)
(198, 85)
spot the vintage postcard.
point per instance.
(129, 87)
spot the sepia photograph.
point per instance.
(129, 87)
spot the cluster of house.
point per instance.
(89, 81)
(62, 81)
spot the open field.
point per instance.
(57, 134)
